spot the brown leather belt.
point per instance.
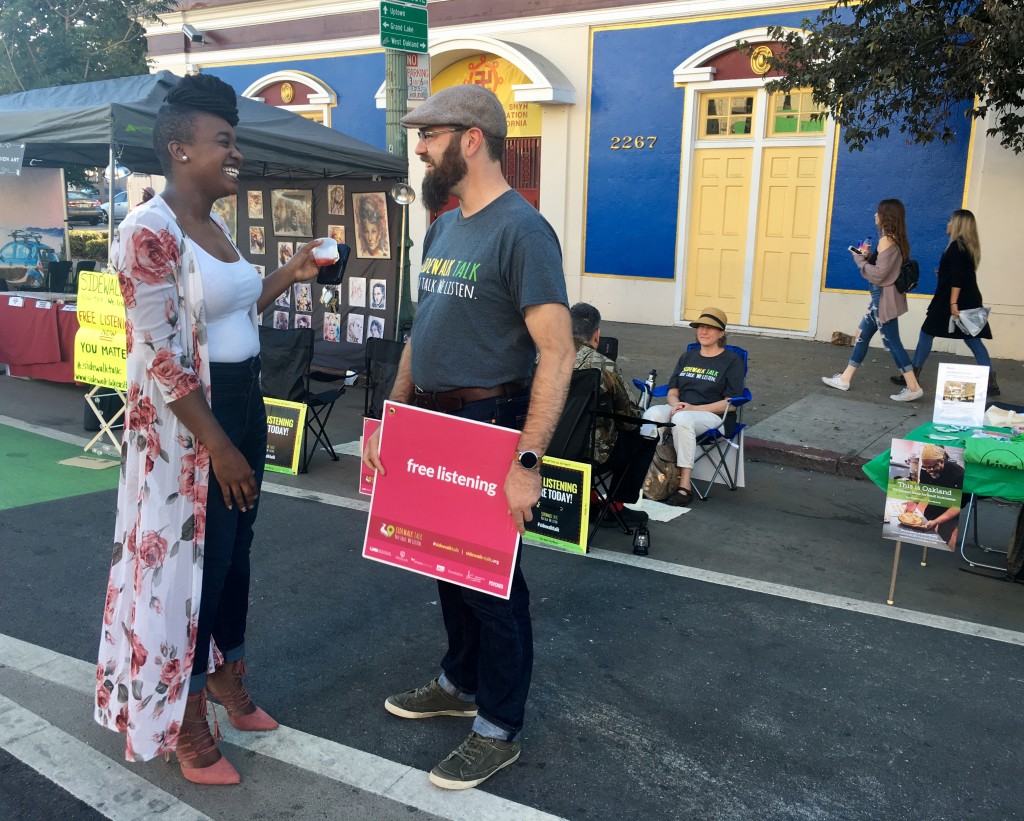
(453, 400)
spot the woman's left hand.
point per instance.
(954, 311)
(302, 266)
(679, 407)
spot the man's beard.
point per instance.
(439, 182)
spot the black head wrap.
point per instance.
(204, 92)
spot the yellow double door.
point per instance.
(773, 286)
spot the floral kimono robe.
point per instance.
(148, 636)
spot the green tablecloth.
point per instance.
(978, 479)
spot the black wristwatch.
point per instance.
(528, 459)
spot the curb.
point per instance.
(797, 456)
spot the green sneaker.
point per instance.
(476, 759)
(427, 702)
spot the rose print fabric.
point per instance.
(147, 642)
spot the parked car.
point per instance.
(85, 208)
(120, 207)
(25, 260)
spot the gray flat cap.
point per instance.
(469, 106)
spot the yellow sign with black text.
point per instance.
(101, 351)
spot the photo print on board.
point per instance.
(255, 203)
(292, 212)
(332, 327)
(257, 240)
(336, 200)
(378, 294)
(226, 208)
(284, 252)
(354, 330)
(303, 297)
(357, 292)
(370, 212)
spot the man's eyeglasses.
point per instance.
(426, 135)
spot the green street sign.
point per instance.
(403, 25)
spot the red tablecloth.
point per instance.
(36, 341)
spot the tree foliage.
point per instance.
(916, 67)
(55, 42)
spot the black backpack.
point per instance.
(906, 280)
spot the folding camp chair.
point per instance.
(717, 445)
(574, 435)
(286, 357)
(382, 358)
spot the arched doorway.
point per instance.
(754, 201)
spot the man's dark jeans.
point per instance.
(490, 640)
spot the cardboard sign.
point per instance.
(366, 475)
(439, 509)
(562, 516)
(926, 483)
(960, 394)
(286, 425)
(101, 352)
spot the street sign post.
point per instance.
(403, 25)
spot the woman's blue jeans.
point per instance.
(924, 349)
(890, 331)
(490, 640)
(223, 610)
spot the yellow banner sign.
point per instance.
(100, 344)
(498, 75)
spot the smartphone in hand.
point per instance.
(856, 250)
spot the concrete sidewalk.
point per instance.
(795, 419)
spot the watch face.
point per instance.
(528, 459)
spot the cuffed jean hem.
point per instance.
(452, 689)
(488, 729)
(197, 681)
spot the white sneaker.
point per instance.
(907, 395)
(835, 381)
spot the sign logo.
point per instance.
(387, 530)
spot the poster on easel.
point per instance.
(101, 350)
(960, 395)
(924, 493)
(562, 515)
(286, 425)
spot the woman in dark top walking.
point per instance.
(957, 290)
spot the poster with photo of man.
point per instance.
(924, 494)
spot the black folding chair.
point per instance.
(286, 357)
(574, 435)
(382, 358)
(608, 346)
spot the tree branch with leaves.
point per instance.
(881, 66)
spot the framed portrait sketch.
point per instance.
(255, 201)
(370, 212)
(284, 252)
(227, 210)
(336, 200)
(337, 233)
(292, 212)
(257, 240)
(357, 292)
(354, 329)
(378, 294)
(376, 327)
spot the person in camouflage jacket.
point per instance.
(586, 331)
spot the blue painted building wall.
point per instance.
(633, 196)
(355, 79)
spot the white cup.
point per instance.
(326, 253)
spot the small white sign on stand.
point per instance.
(960, 394)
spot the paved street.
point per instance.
(749, 668)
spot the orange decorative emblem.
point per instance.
(485, 73)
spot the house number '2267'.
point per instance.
(629, 143)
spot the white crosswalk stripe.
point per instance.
(323, 757)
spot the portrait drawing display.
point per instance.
(255, 203)
(336, 200)
(332, 327)
(354, 332)
(376, 327)
(337, 233)
(378, 294)
(281, 320)
(370, 212)
(357, 293)
(284, 252)
(292, 212)
(257, 240)
(227, 210)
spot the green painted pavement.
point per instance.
(30, 471)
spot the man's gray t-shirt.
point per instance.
(478, 275)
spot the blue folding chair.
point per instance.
(717, 444)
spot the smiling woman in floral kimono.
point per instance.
(193, 449)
